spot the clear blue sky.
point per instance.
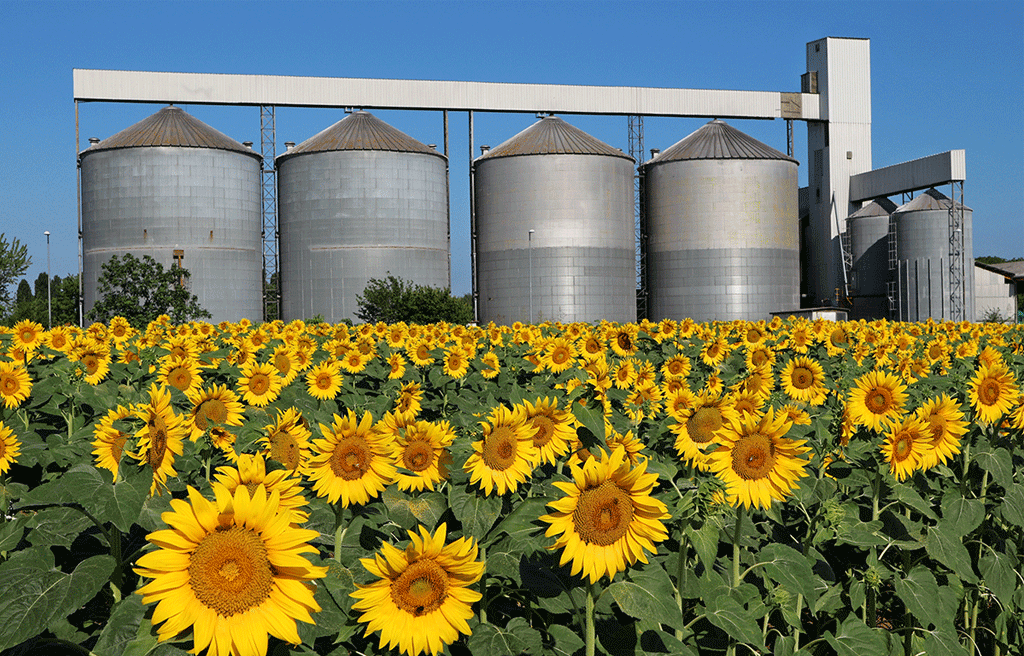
(945, 75)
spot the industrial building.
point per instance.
(563, 226)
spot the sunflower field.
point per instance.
(784, 487)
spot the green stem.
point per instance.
(736, 578)
(483, 587)
(340, 528)
(870, 612)
(591, 641)
(681, 576)
(981, 545)
(797, 631)
(117, 578)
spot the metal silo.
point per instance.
(176, 189)
(723, 230)
(359, 200)
(868, 228)
(555, 228)
(922, 271)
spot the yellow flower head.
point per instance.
(352, 463)
(505, 456)
(877, 399)
(992, 391)
(15, 384)
(10, 448)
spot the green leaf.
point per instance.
(424, 508)
(126, 501)
(11, 533)
(33, 594)
(999, 576)
(949, 550)
(705, 541)
(943, 643)
(592, 417)
(856, 639)
(726, 613)
(524, 521)
(122, 627)
(519, 639)
(999, 463)
(57, 526)
(789, 567)
(919, 592)
(1012, 505)
(150, 518)
(909, 497)
(961, 515)
(648, 596)
(476, 511)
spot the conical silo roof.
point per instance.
(877, 207)
(552, 136)
(718, 140)
(933, 199)
(171, 126)
(360, 131)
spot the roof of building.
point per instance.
(552, 136)
(718, 140)
(1012, 270)
(171, 126)
(360, 131)
(933, 199)
(877, 207)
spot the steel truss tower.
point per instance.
(957, 277)
(271, 268)
(636, 151)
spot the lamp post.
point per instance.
(49, 306)
(530, 239)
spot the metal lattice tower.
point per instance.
(957, 293)
(636, 151)
(271, 267)
(892, 286)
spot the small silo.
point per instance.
(359, 200)
(923, 260)
(869, 245)
(723, 228)
(555, 228)
(176, 189)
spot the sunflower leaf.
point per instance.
(999, 463)
(961, 515)
(856, 639)
(943, 642)
(727, 614)
(567, 641)
(592, 418)
(705, 540)
(999, 576)
(490, 639)
(649, 595)
(948, 549)
(919, 591)
(523, 521)
(129, 495)
(476, 511)
(122, 627)
(790, 568)
(1012, 506)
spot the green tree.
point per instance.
(14, 262)
(64, 299)
(392, 300)
(142, 290)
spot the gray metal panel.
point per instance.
(718, 140)
(723, 238)
(869, 244)
(930, 171)
(552, 136)
(360, 131)
(348, 216)
(583, 258)
(153, 200)
(293, 91)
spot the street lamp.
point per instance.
(530, 239)
(49, 307)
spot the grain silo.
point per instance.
(869, 245)
(723, 231)
(555, 228)
(176, 189)
(359, 200)
(923, 261)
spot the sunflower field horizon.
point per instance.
(790, 487)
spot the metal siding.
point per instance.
(349, 216)
(581, 209)
(916, 174)
(151, 201)
(922, 242)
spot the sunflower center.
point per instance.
(418, 456)
(903, 445)
(545, 430)
(988, 392)
(500, 448)
(603, 514)
(10, 385)
(624, 341)
(421, 588)
(560, 355)
(259, 384)
(91, 362)
(802, 378)
(323, 381)
(213, 410)
(934, 351)
(180, 377)
(283, 364)
(759, 357)
(937, 426)
(351, 458)
(157, 442)
(229, 571)
(675, 367)
(753, 457)
(702, 425)
(837, 337)
(878, 400)
(284, 449)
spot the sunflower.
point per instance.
(676, 366)
(992, 391)
(554, 429)
(623, 339)
(559, 354)
(907, 443)
(160, 439)
(352, 463)
(109, 440)
(678, 400)
(286, 362)
(354, 361)
(396, 365)
(15, 384)
(287, 440)
(27, 334)
(250, 471)
(608, 517)
(94, 357)
(455, 363)
(323, 381)
(946, 425)
(504, 457)
(409, 398)
(420, 449)
(491, 367)
(419, 351)
(755, 460)
(421, 599)
(837, 341)
(213, 405)
(120, 330)
(700, 426)
(747, 403)
(259, 384)
(181, 373)
(714, 351)
(232, 570)
(623, 375)
(760, 382)
(627, 441)
(877, 399)
(803, 379)
(10, 448)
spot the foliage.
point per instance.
(14, 261)
(853, 561)
(393, 299)
(142, 290)
(63, 301)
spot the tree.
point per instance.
(142, 290)
(14, 262)
(392, 300)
